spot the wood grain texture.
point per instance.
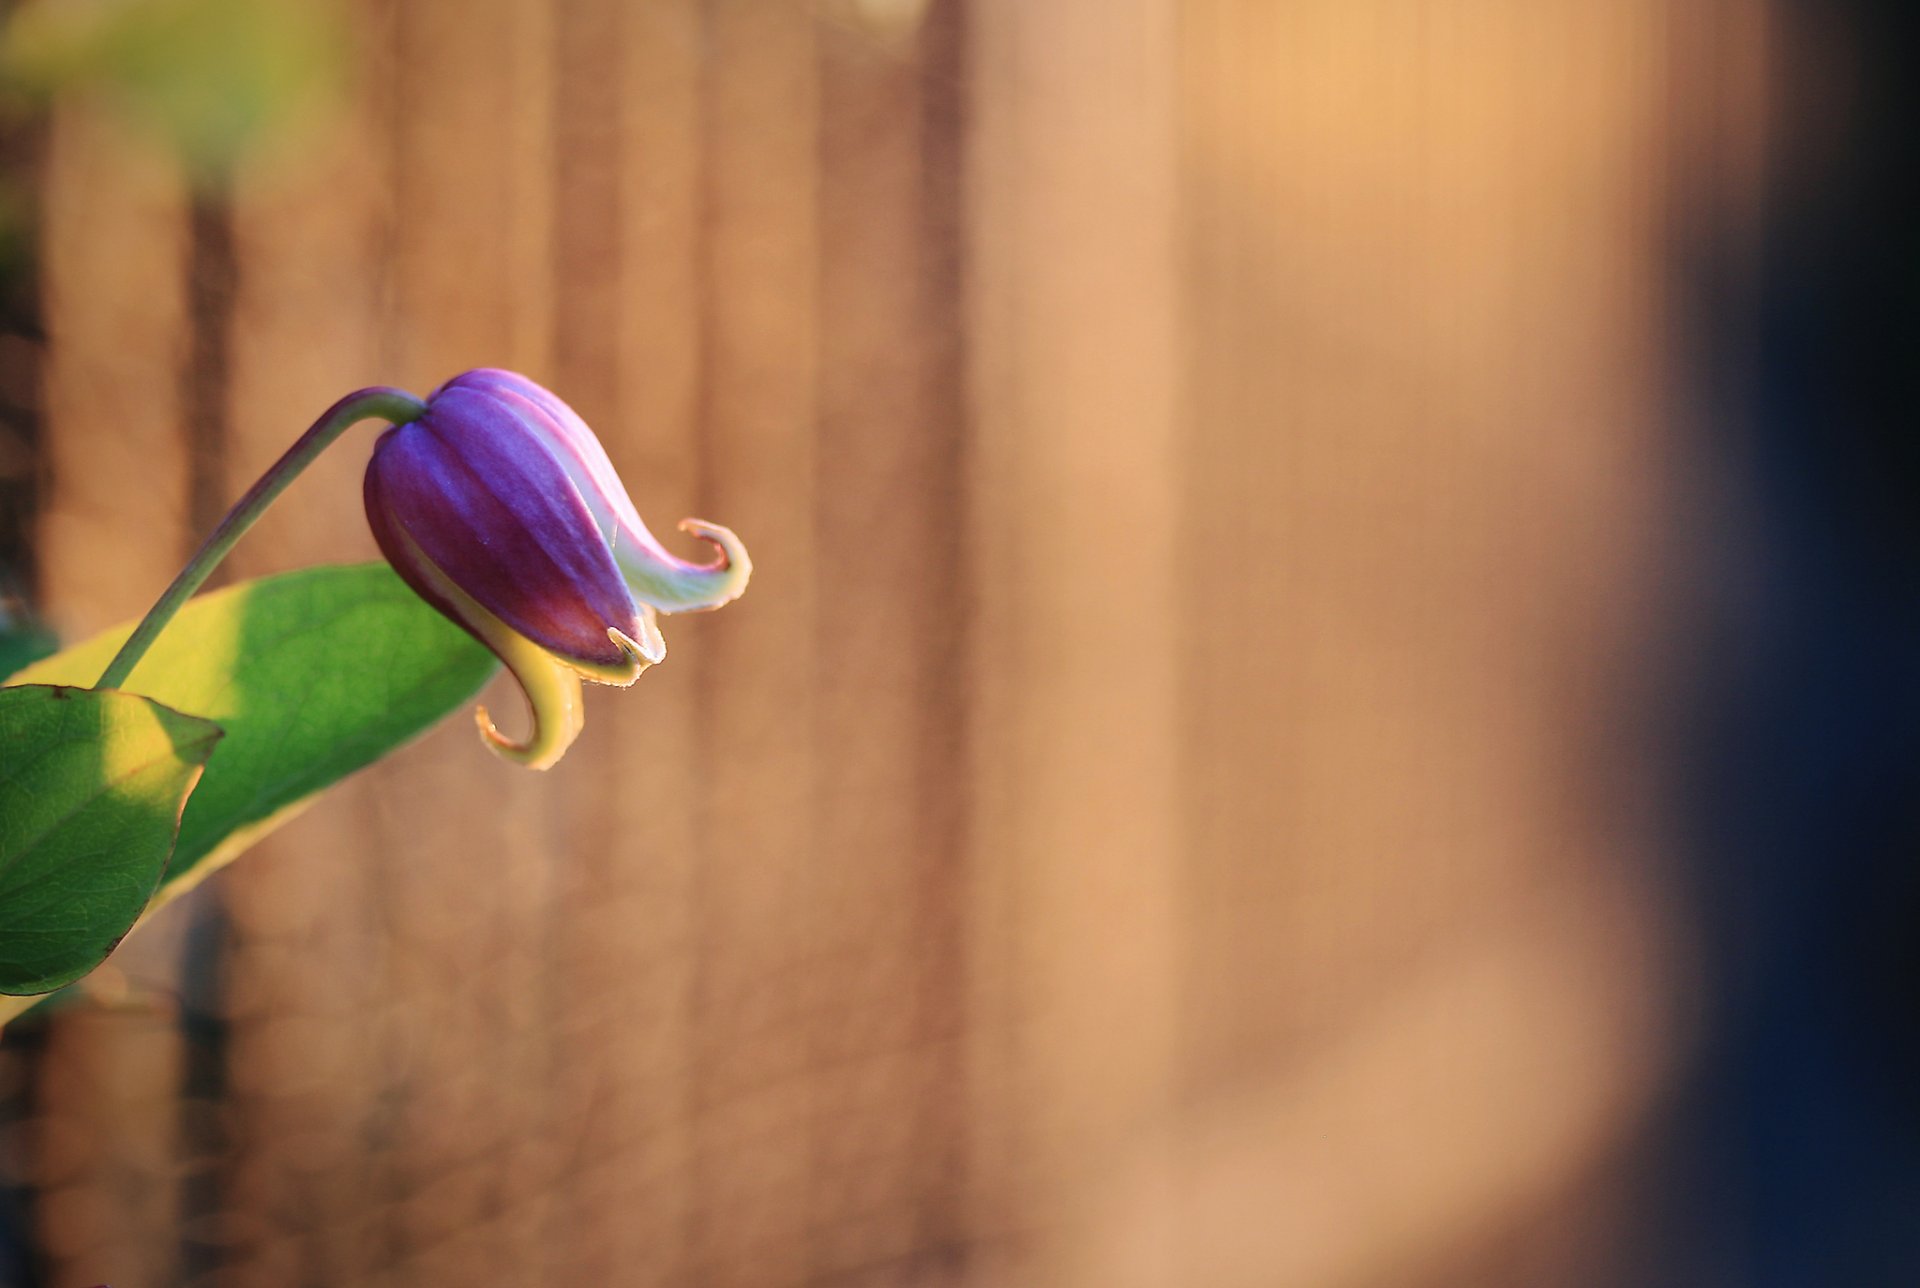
(117, 242)
(308, 1058)
(1428, 952)
(721, 1045)
(1171, 808)
(758, 928)
(1074, 314)
(108, 1148)
(627, 245)
(117, 492)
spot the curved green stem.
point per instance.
(387, 404)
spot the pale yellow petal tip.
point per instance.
(650, 648)
(554, 706)
(542, 750)
(643, 655)
(635, 657)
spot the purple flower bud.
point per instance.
(500, 508)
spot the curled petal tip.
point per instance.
(532, 753)
(732, 553)
(554, 705)
(672, 584)
(507, 748)
(648, 649)
(542, 749)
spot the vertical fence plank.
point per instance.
(627, 316)
(114, 528)
(122, 472)
(1427, 957)
(306, 1066)
(1074, 319)
(887, 527)
(475, 1163)
(108, 1149)
(757, 921)
(120, 482)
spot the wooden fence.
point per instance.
(1170, 811)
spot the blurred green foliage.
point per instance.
(23, 641)
(214, 79)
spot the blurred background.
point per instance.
(1328, 699)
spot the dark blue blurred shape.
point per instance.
(1797, 1146)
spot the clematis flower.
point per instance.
(499, 507)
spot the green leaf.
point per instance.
(91, 788)
(313, 675)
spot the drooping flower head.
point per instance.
(500, 508)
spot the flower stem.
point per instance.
(386, 404)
